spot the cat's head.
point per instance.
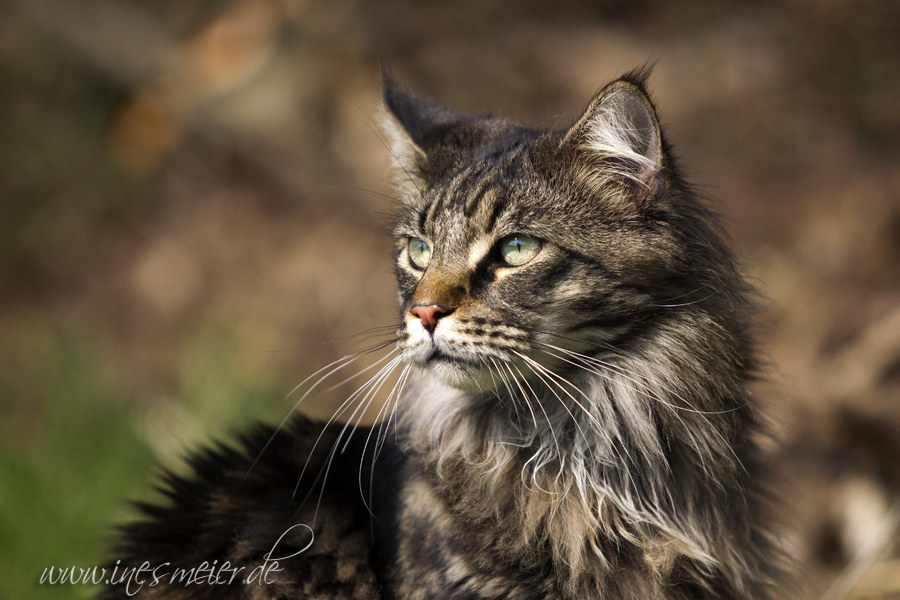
(519, 247)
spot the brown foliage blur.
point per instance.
(163, 162)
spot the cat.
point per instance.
(575, 420)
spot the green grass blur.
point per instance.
(71, 449)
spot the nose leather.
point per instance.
(429, 314)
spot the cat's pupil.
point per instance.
(519, 249)
(419, 253)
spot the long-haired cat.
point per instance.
(574, 420)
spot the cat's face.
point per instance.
(477, 280)
(518, 246)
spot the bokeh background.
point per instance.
(192, 205)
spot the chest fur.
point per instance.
(461, 546)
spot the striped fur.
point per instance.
(586, 413)
(575, 426)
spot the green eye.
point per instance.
(518, 249)
(419, 253)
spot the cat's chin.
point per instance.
(461, 375)
(465, 380)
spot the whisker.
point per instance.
(370, 396)
(536, 365)
(541, 406)
(401, 383)
(340, 410)
(556, 376)
(624, 371)
(507, 386)
(649, 393)
(524, 398)
(341, 363)
(355, 375)
(542, 372)
(692, 302)
(503, 401)
(379, 439)
(605, 345)
(373, 389)
(536, 455)
(370, 333)
(378, 417)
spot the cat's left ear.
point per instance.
(618, 140)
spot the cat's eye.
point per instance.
(518, 249)
(419, 253)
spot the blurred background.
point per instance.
(192, 211)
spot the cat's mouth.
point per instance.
(438, 356)
(459, 360)
(459, 372)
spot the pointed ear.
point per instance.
(618, 140)
(416, 129)
(414, 126)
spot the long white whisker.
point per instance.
(341, 363)
(381, 438)
(502, 376)
(494, 387)
(536, 455)
(524, 397)
(541, 373)
(370, 395)
(373, 389)
(593, 419)
(541, 406)
(341, 409)
(378, 418)
(625, 372)
(363, 371)
(559, 377)
(647, 392)
(396, 392)
(686, 294)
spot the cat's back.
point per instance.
(245, 524)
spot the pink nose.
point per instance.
(429, 314)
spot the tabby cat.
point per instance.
(575, 420)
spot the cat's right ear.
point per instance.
(415, 125)
(415, 129)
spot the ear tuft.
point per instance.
(404, 150)
(419, 122)
(618, 137)
(416, 129)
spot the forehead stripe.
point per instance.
(423, 216)
(475, 199)
(433, 207)
(495, 211)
